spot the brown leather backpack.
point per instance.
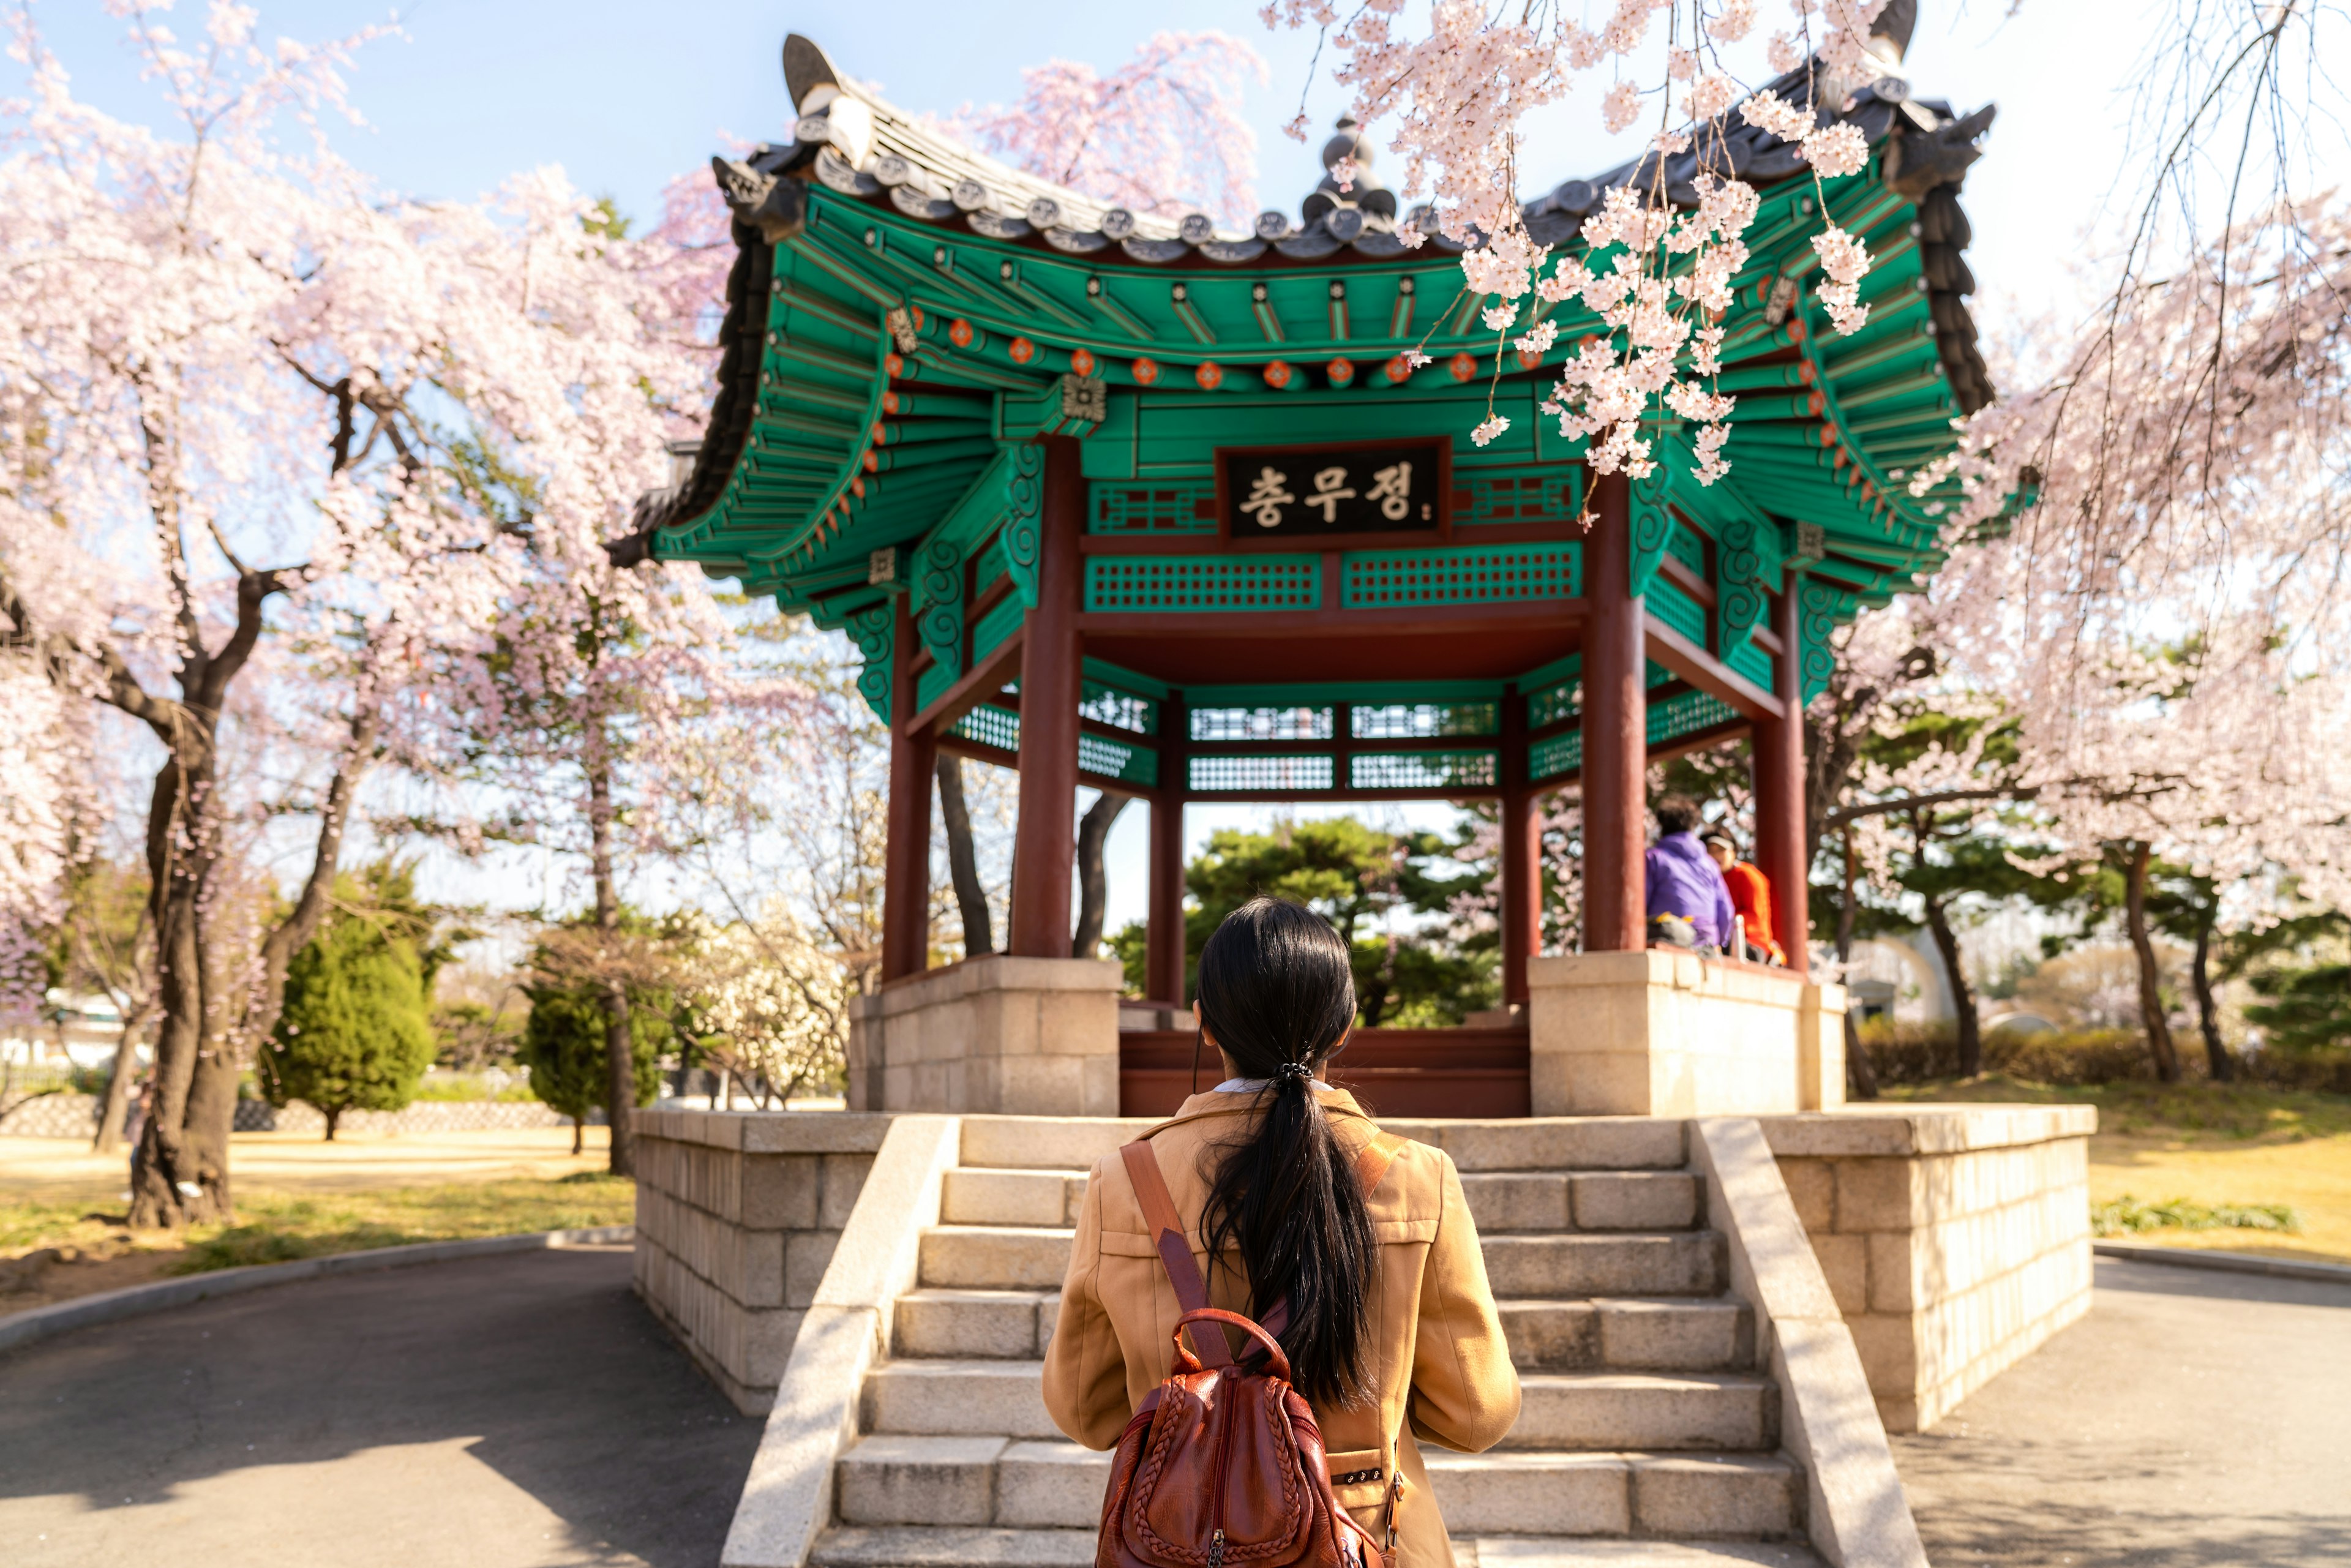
(1223, 1465)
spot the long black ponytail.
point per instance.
(1276, 992)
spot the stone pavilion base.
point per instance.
(1666, 1033)
(992, 1036)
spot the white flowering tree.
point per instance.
(775, 1000)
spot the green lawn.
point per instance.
(273, 1227)
(2242, 1169)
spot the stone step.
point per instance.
(1505, 1201)
(1524, 1492)
(982, 1196)
(1552, 1551)
(1047, 1142)
(899, 1479)
(1667, 1263)
(1553, 1144)
(958, 1398)
(1730, 1412)
(1667, 1335)
(968, 1323)
(915, 1546)
(995, 1257)
(893, 1478)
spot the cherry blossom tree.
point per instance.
(1162, 133)
(231, 351)
(194, 344)
(1458, 96)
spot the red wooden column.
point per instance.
(1615, 729)
(1163, 950)
(1521, 914)
(906, 863)
(1052, 686)
(1780, 786)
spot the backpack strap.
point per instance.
(1175, 1250)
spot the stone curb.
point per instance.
(135, 1300)
(1856, 1513)
(786, 1498)
(2227, 1263)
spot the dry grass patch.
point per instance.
(295, 1199)
(2210, 1147)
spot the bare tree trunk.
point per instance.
(108, 1138)
(1963, 999)
(576, 1140)
(1859, 1069)
(963, 862)
(620, 1048)
(2150, 976)
(2207, 1007)
(334, 1114)
(1093, 888)
(179, 1172)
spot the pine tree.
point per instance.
(564, 1043)
(355, 1031)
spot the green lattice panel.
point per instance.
(1753, 663)
(1231, 724)
(1688, 548)
(1121, 508)
(1120, 710)
(1686, 715)
(1196, 583)
(1419, 721)
(1472, 574)
(1552, 704)
(1549, 496)
(1110, 760)
(1425, 769)
(998, 624)
(989, 726)
(1677, 610)
(1560, 754)
(1211, 775)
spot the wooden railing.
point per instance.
(1393, 1071)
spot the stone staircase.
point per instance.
(1647, 1434)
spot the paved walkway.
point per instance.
(2192, 1420)
(524, 1412)
(512, 1412)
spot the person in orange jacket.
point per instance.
(1750, 894)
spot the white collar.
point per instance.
(1251, 1085)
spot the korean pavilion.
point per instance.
(1124, 500)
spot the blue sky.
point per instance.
(623, 96)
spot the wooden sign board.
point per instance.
(1333, 494)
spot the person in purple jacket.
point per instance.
(1688, 902)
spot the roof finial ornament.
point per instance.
(1889, 36)
(1349, 153)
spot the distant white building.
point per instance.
(74, 1029)
(1899, 977)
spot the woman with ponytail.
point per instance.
(1378, 1297)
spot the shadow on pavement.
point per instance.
(2193, 1419)
(542, 1366)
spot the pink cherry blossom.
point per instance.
(1164, 133)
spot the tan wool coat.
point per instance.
(1445, 1375)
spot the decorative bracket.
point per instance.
(873, 630)
(938, 604)
(1820, 609)
(1024, 509)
